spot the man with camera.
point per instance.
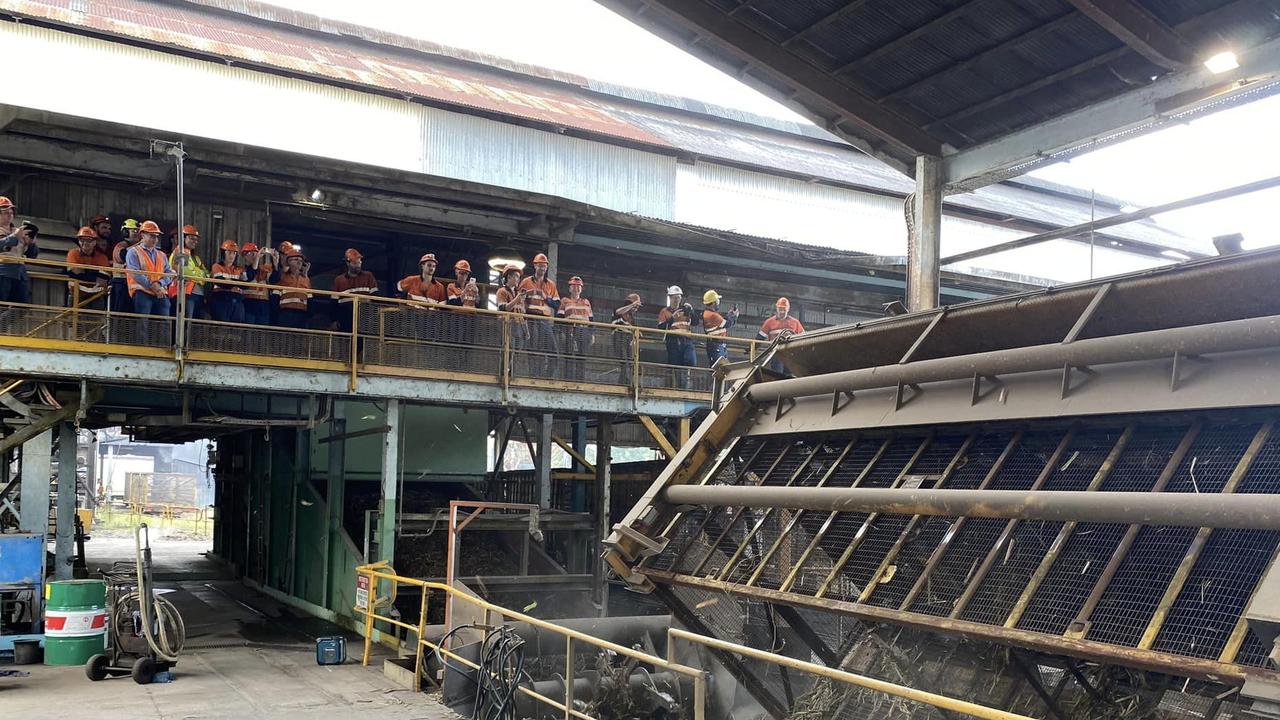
(18, 243)
(716, 325)
(678, 318)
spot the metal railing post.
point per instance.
(422, 632)
(355, 340)
(635, 365)
(508, 358)
(75, 310)
(568, 678)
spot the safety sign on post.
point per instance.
(362, 592)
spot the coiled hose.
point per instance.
(170, 631)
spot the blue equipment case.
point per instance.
(331, 650)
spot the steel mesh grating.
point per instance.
(845, 526)
(735, 463)
(1030, 540)
(976, 536)
(807, 524)
(1205, 612)
(1130, 599)
(1211, 459)
(1090, 546)
(884, 531)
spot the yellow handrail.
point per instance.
(381, 571)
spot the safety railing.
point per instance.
(377, 574)
(385, 336)
(373, 577)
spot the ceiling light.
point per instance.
(317, 195)
(1222, 62)
(502, 257)
(1175, 255)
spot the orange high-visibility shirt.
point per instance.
(294, 296)
(117, 255)
(773, 327)
(87, 279)
(678, 324)
(227, 272)
(578, 310)
(363, 283)
(466, 297)
(429, 291)
(261, 275)
(507, 301)
(537, 294)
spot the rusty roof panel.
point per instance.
(393, 70)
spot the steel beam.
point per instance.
(1179, 665)
(1231, 335)
(1255, 511)
(924, 237)
(1137, 28)
(1167, 99)
(1120, 219)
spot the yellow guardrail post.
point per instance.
(355, 339)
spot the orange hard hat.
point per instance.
(540, 258)
(511, 268)
(286, 247)
(428, 256)
(351, 255)
(190, 230)
(6, 203)
(462, 266)
(783, 303)
(86, 233)
(228, 245)
(150, 226)
(99, 219)
(249, 247)
(575, 280)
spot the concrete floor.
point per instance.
(246, 656)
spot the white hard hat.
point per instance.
(675, 290)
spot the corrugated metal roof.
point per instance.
(298, 43)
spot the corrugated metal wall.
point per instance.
(255, 108)
(498, 153)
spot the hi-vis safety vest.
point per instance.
(579, 310)
(294, 297)
(152, 266)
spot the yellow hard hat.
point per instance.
(710, 296)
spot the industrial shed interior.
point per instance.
(1028, 468)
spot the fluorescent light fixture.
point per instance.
(1222, 62)
(1175, 255)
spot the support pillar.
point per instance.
(604, 482)
(545, 426)
(36, 469)
(91, 471)
(335, 493)
(553, 259)
(579, 442)
(65, 539)
(390, 484)
(924, 238)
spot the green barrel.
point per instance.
(75, 621)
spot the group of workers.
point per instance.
(266, 286)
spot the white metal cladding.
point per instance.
(473, 148)
(195, 97)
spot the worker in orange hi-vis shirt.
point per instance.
(780, 325)
(578, 337)
(542, 300)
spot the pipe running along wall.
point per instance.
(1216, 510)
(1233, 335)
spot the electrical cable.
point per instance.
(154, 608)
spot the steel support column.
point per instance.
(924, 236)
(335, 493)
(34, 490)
(64, 540)
(604, 482)
(390, 484)
(545, 426)
(579, 444)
